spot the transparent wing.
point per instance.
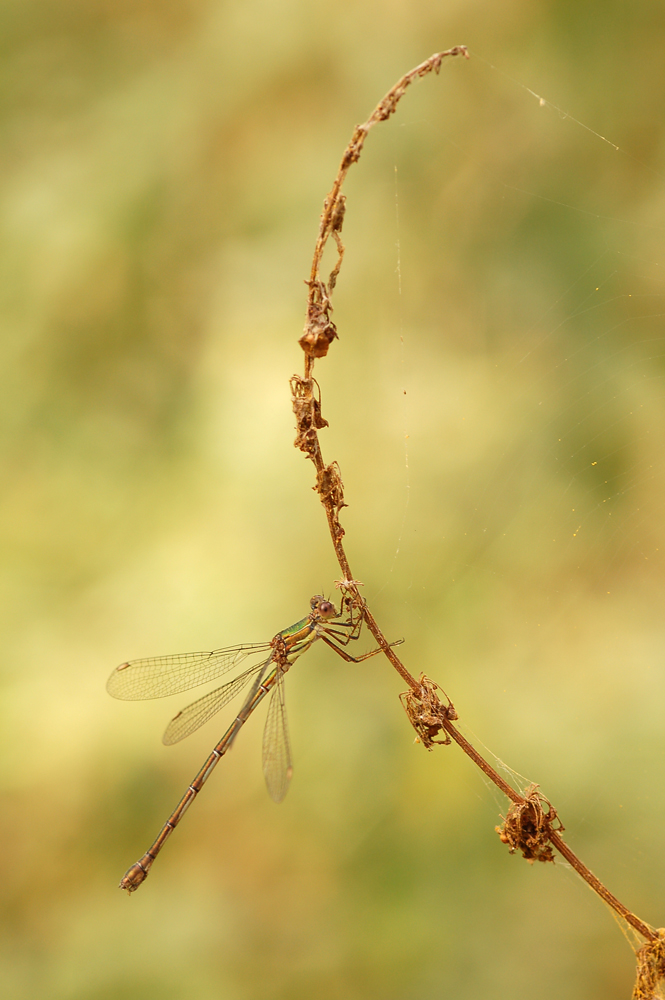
(196, 714)
(159, 676)
(277, 765)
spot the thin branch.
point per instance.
(531, 825)
(319, 329)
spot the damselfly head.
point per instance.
(322, 607)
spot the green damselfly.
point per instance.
(159, 676)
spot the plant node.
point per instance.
(307, 408)
(527, 827)
(650, 968)
(427, 713)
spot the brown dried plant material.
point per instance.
(320, 331)
(528, 827)
(336, 229)
(351, 596)
(330, 488)
(427, 713)
(651, 968)
(352, 603)
(531, 825)
(307, 408)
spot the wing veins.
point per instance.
(160, 676)
(200, 711)
(277, 764)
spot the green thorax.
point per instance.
(299, 637)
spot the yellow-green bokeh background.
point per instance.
(163, 168)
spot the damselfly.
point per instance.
(159, 676)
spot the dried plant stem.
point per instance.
(529, 825)
(319, 328)
(562, 847)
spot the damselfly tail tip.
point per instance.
(133, 877)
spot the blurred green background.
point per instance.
(163, 168)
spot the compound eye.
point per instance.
(315, 601)
(327, 609)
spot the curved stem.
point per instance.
(316, 340)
